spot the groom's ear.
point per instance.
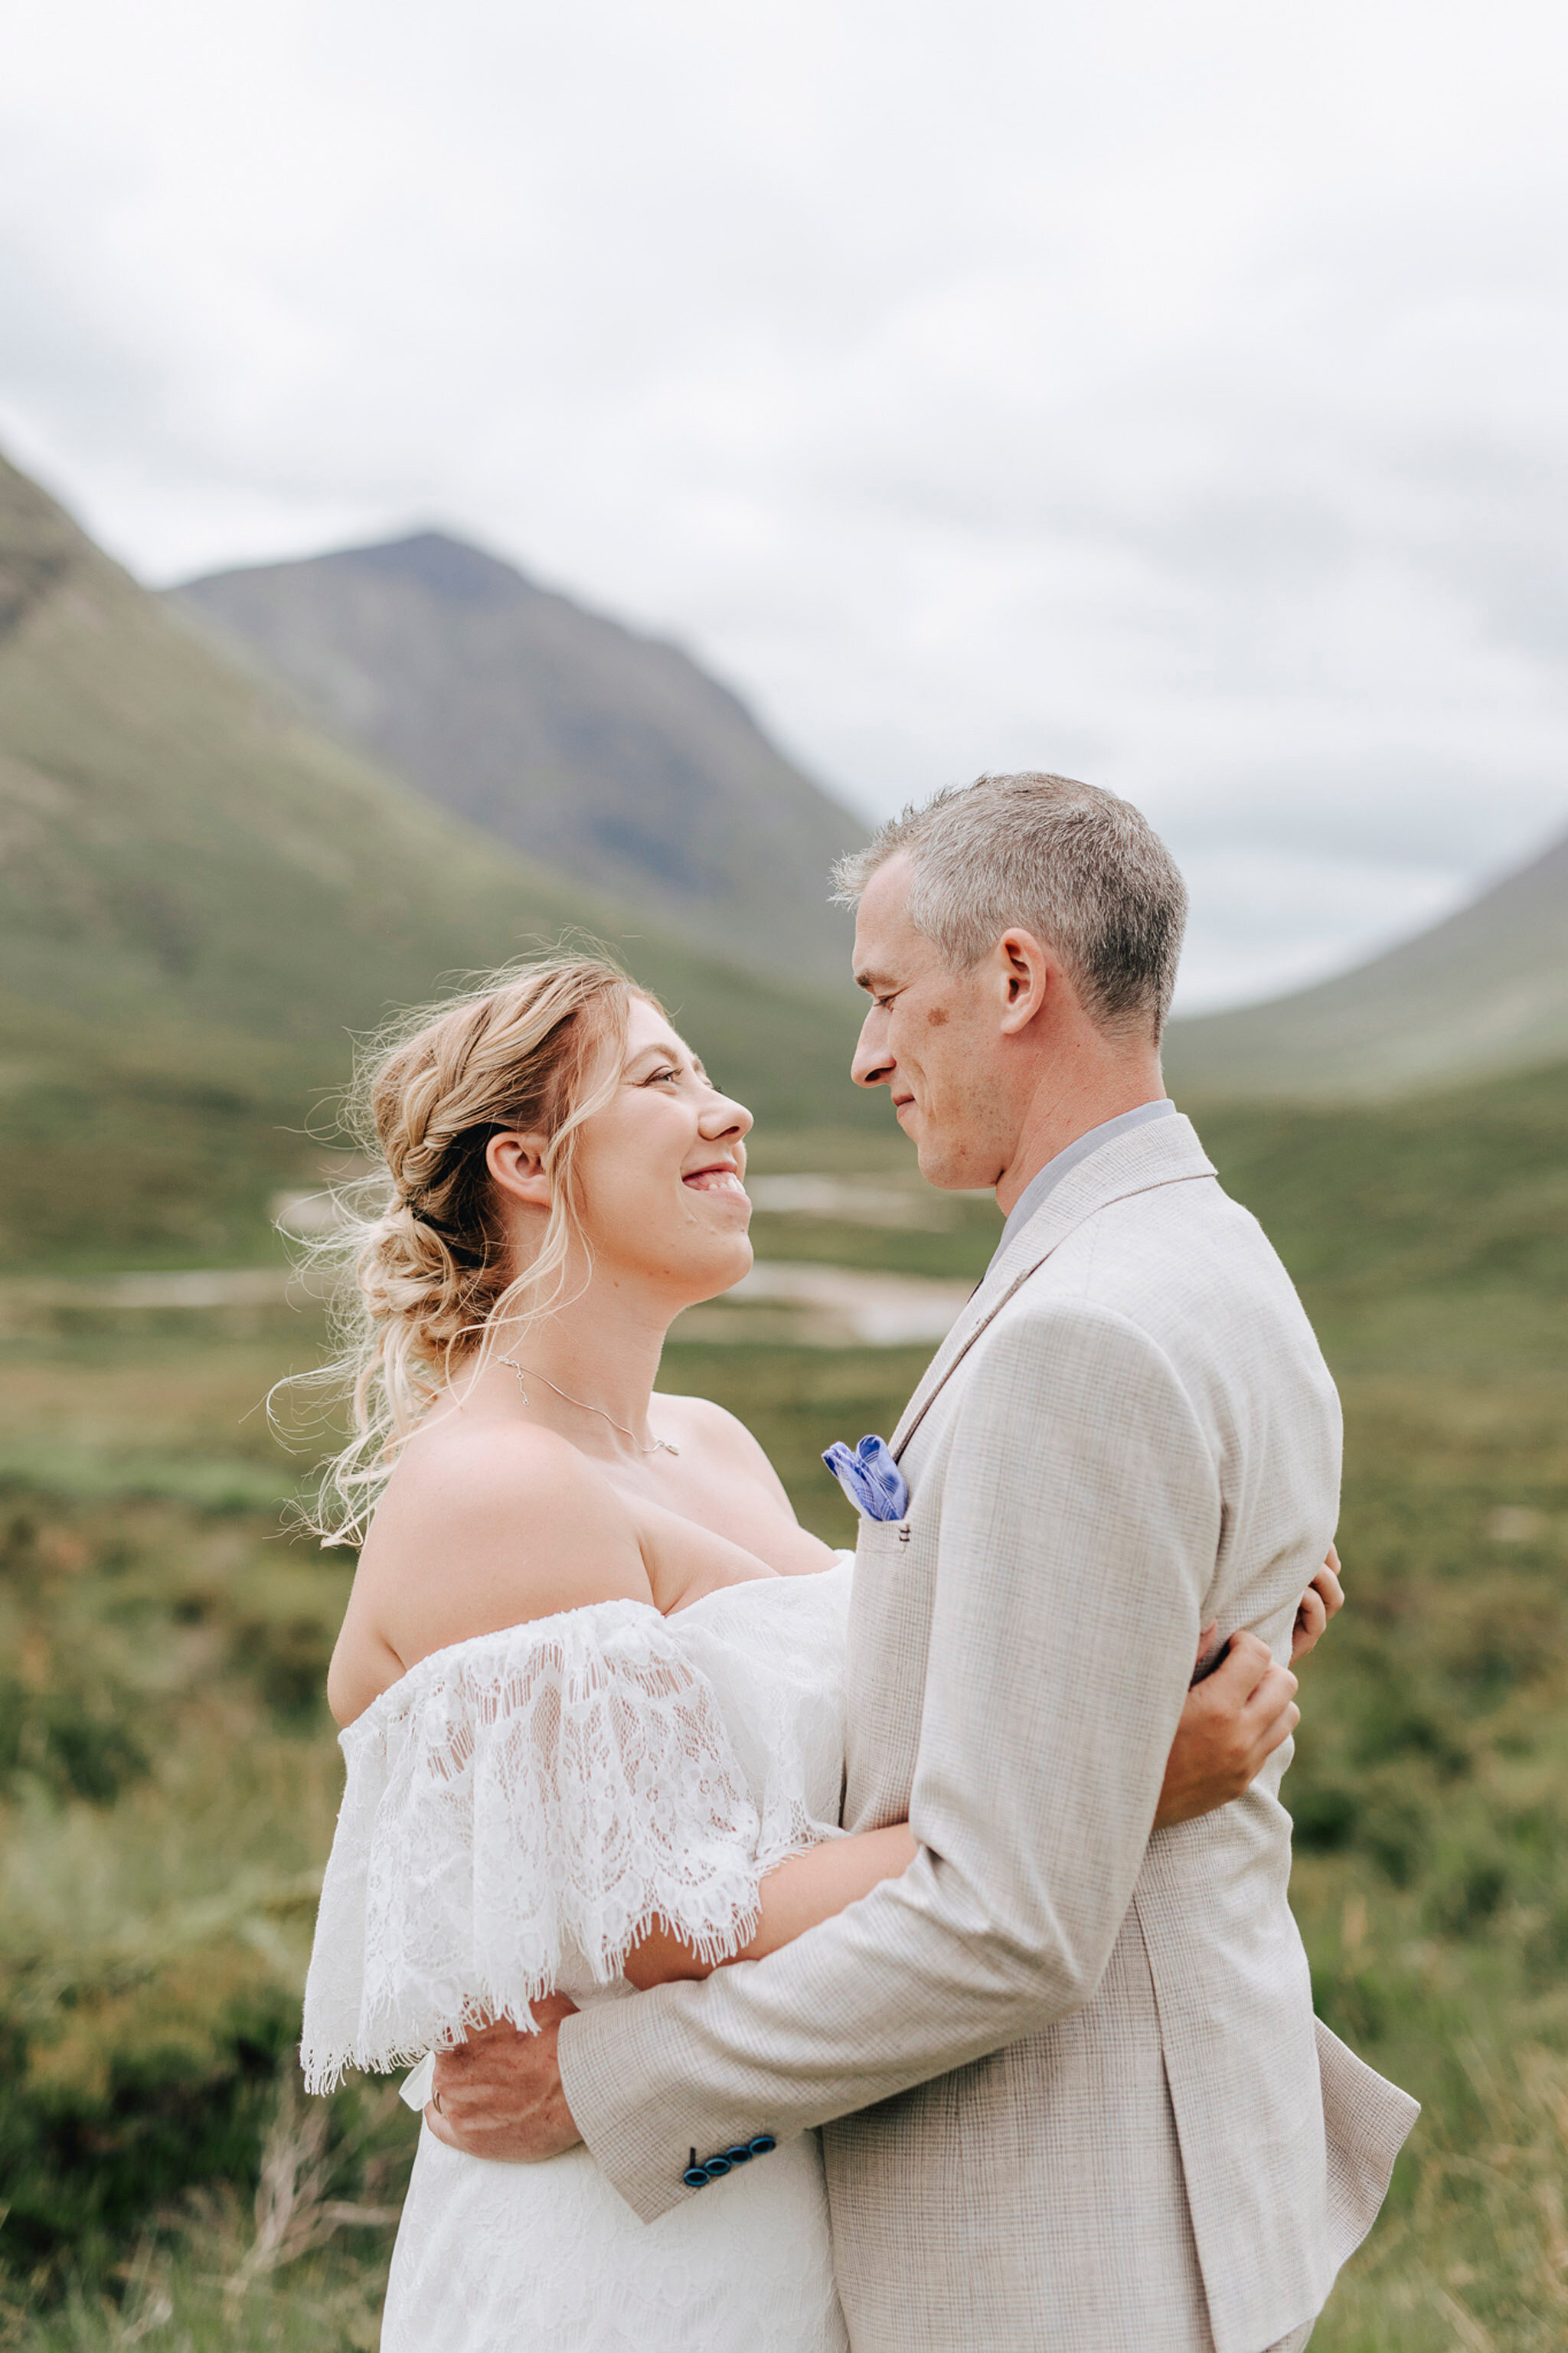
(1025, 972)
(516, 1164)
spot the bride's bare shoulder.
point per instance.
(482, 1526)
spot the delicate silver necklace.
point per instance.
(659, 1446)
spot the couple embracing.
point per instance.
(800, 1950)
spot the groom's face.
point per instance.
(929, 1038)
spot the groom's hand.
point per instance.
(498, 2095)
(1232, 1723)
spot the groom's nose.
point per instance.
(874, 1062)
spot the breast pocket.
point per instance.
(889, 1636)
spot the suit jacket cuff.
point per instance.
(603, 2058)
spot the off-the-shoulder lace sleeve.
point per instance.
(519, 1808)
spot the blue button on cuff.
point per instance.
(714, 2169)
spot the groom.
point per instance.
(1072, 2090)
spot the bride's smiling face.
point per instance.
(659, 1170)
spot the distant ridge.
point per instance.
(201, 897)
(606, 753)
(1483, 992)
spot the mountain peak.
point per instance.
(594, 748)
(452, 569)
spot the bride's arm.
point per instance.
(796, 1895)
(1231, 1725)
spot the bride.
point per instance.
(590, 1676)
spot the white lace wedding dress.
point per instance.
(518, 1808)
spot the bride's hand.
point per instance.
(1323, 1600)
(498, 2094)
(1231, 1725)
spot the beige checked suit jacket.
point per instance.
(1073, 2093)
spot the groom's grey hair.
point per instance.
(1084, 871)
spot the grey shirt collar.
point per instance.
(1045, 1180)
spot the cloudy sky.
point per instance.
(1174, 396)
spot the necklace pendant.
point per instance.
(663, 1446)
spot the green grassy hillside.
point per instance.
(1485, 991)
(200, 898)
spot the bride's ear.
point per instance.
(516, 1163)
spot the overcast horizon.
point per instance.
(1174, 402)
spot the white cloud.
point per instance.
(1175, 396)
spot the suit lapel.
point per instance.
(1162, 1152)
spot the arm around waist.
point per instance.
(1078, 1517)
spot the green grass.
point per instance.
(1431, 1796)
(172, 1784)
(169, 1784)
(1433, 1204)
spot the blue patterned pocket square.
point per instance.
(870, 1478)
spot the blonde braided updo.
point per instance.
(423, 1282)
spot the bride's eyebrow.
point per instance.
(662, 1050)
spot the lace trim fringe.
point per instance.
(520, 1808)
